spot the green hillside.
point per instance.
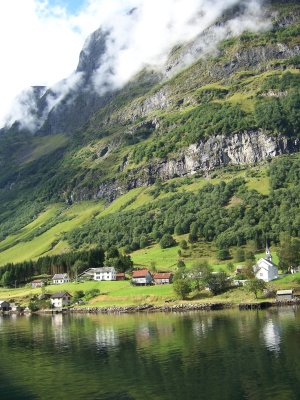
(140, 168)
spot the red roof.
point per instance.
(141, 273)
(120, 274)
(162, 275)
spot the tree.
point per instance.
(193, 235)
(289, 252)
(255, 286)
(180, 264)
(183, 244)
(182, 287)
(230, 267)
(249, 256)
(217, 283)
(240, 255)
(199, 273)
(79, 266)
(144, 241)
(7, 278)
(167, 241)
(78, 294)
(223, 254)
(153, 266)
(112, 252)
(121, 263)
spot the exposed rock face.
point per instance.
(221, 150)
(207, 155)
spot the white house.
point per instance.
(60, 300)
(101, 274)
(59, 279)
(142, 277)
(265, 269)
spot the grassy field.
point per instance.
(121, 293)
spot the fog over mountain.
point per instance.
(130, 39)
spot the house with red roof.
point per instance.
(142, 277)
(162, 278)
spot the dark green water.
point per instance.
(216, 355)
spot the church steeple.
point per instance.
(268, 253)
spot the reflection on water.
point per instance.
(202, 355)
(274, 326)
(272, 335)
(106, 336)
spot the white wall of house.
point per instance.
(105, 276)
(265, 270)
(61, 302)
(61, 281)
(268, 274)
(162, 281)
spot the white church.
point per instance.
(265, 269)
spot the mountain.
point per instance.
(219, 105)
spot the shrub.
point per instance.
(167, 241)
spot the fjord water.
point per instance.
(203, 355)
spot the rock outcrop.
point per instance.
(202, 157)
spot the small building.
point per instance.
(162, 278)
(59, 279)
(265, 269)
(284, 295)
(100, 274)
(37, 283)
(142, 277)
(120, 276)
(60, 300)
(4, 306)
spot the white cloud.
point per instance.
(40, 45)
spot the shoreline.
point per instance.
(180, 307)
(150, 308)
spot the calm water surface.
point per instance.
(214, 355)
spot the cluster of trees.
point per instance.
(205, 215)
(73, 263)
(199, 277)
(279, 114)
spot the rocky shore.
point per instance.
(151, 308)
(181, 307)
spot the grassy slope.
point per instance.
(43, 244)
(16, 248)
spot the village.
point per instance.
(264, 271)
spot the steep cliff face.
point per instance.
(221, 150)
(215, 152)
